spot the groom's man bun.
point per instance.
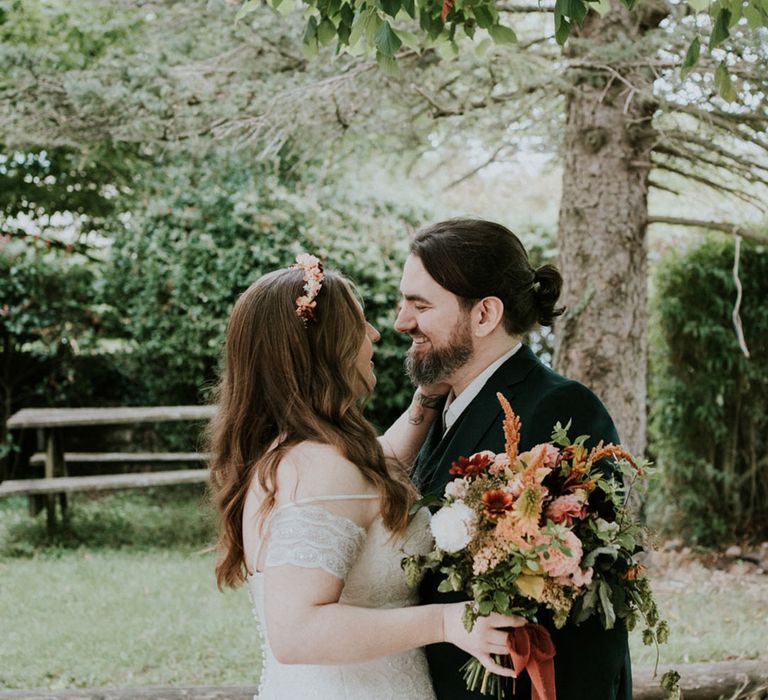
(473, 259)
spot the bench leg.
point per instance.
(50, 514)
(54, 466)
(63, 505)
(35, 504)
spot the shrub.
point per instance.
(211, 227)
(709, 407)
(48, 324)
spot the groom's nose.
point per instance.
(405, 320)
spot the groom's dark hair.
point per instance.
(474, 259)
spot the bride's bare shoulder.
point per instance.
(313, 469)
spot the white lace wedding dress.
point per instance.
(308, 535)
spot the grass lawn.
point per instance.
(125, 596)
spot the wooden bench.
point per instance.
(51, 423)
(38, 459)
(101, 482)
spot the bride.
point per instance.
(314, 509)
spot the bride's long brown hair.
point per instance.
(283, 383)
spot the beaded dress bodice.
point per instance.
(307, 535)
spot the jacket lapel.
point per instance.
(466, 435)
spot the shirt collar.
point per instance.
(455, 405)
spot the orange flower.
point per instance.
(615, 451)
(634, 572)
(527, 509)
(496, 502)
(511, 429)
(473, 465)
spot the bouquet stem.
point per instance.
(477, 677)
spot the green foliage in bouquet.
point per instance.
(709, 403)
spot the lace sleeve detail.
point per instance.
(314, 538)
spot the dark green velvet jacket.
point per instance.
(590, 663)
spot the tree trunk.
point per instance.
(601, 339)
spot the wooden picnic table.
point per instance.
(51, 423)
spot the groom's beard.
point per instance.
(439, 364)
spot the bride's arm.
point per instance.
(405, 436)
(306, 623)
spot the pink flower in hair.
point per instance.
(313, 283)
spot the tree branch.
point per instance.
(717, 186)
(722, 226)
(729, 124)
(659, 186)
(711, 145)
(476, 170)
(691, 156)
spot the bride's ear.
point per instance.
(487, 314)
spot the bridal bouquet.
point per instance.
(542, 530)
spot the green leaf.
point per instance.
(358, 29)
(585, 606)
(372, 27)
(629, 4)
(590, 558)
(500, 600)
(390, 7)
(469, 617)
(699, 5)
(410, 7)
(736, 8)
(562, 29)
(754, 16)
(576, 10)
(602, 7)
(388, 64)
(485, 608)
(560, 432)
(724, 84)
(310, 33)
(447, 50)
(250, 6)
(484, 17)
(326, 31)
(502, 35)
(285, 7)
(386, 40)
(609, 615)
(347, 14)
(482, 48)
(413, 41)
(720, 31)
(444, 586)
(310, 49)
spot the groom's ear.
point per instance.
(487, 314)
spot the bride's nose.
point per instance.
(373, 335)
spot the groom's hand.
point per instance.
(486, 638)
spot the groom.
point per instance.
(468, 296)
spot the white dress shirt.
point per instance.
(455, 405)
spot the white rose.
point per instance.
(453, 526)
(456, 488)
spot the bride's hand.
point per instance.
(487, 636)
(436, 390)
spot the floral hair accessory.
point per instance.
(313, 283)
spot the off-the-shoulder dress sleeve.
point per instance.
(313, 537)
